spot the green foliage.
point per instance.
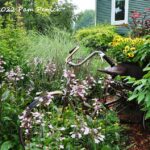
(40, 15)
(143, 54)
(57, 132)
(57, 44)
(12, 45)
(6, 145)
(62, 15)
(85, 19)
(141, 92)
(58, 124)
(11, 104)
(126, 49)
(96, 37)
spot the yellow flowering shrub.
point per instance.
(125, 49)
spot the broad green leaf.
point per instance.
(133, 97)
(147, 69)
(141, 97)
(106, 147)
(147, 115)
(6, 145)
(5, 95)
(6, 118)
(147, 99)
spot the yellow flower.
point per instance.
(127, 48)
(125, 51)
(131, 55)
(132, 48)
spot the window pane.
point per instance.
(120, 10)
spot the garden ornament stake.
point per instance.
(123, 69)
(100, 53)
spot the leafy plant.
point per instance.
(140, 24)
(126, 49)
(141, 92)
(12, 45)
(85, 19)
(74, 122)
(96, 37)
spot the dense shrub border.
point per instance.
(96, 37)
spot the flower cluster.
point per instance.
(135, 15)
(37, 117)
(83, 129)
(69, 75)
(44, 99)
(37, 61)
(15, 75)
(25, 120)
(140, 24)
(28, 118)
(2, 63)
(125, 49)
(97, 105)
(50, 69)
(89, 82)
(73, 86)
(77, 88)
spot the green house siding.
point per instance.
(103, 11)
(138, 5)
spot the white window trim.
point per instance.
(125, 21)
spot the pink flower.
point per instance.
(135, 15)
(147, 9)
(68, 74)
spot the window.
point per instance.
(119, 13)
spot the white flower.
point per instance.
(101, 137)
(38, 93)
(61, 146)
(62, 138)
(62, 129)
(96, 141)
(95, 131)
(79, 135)
(50, 126)
(73, 136)
(73, 126)
(86, 131)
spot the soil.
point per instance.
(132, 119)
(139, 139)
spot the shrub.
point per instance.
(96, 37)
(130, 50)
(140, 24)
(12, 45)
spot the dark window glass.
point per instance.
(119, 10)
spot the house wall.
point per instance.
(103, 11)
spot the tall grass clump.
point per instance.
(54, 47)
(50, 47)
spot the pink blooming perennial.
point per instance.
(50, 69)
(15, 75)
